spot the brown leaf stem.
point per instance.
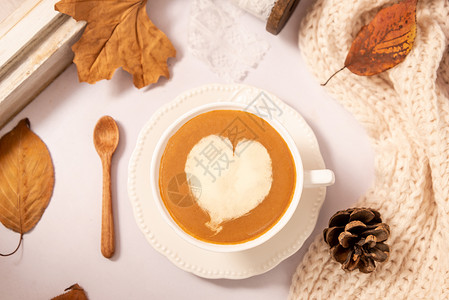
(323, 84)
(18, 246)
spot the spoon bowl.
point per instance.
(106, 136)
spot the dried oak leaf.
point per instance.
(26, 178)
(385, 41)
(118, 34)
(75, 292)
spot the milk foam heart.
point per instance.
(233, 182)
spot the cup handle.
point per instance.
(318, 178)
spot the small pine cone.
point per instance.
(356, 237)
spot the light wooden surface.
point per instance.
(35, 47)
(20, 27)
(7, 7)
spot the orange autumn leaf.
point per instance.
(118, 34)
(75, 292)
(385, 41)
(27, 179)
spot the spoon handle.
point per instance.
(107, 220)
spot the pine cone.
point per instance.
(356, 237)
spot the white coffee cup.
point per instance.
(304, 178)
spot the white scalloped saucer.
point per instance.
(234, 265)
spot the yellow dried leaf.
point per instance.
(118, 34)
(26, 178)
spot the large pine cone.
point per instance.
(356, 237)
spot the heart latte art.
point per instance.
(236, 183)
(226, 177)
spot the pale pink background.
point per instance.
(64, 247)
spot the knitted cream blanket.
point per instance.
(405, 111)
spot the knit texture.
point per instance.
(405, 111)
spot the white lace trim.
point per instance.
(216, 37)
(259, 8)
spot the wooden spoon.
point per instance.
(106, 137)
